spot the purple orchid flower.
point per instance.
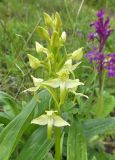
(102, 33)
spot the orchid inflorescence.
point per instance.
(59, 67)
(102, 32)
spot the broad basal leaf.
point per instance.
(9, 104)
(76, 145)
(11, 134)
(37, 146)
(100, 126)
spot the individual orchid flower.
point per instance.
(50, 119)
(37, 84)
(63, 82)
(68, 65)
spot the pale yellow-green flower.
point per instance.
(33, 61)
(78, 94)
(69, 66)
(63, 82)
(50, 119)
(40, 48)
(37, 83)
(43, 33)
(77, 54)
(57, 21)
(48, 20)
(55, 39)
(63, 36)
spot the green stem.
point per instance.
(58, 144)
(49, 65)
(58, 155)
(100, 106)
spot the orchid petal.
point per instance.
(59, 122)
(73, 83)
(37, 81)
(54, 83)
(42, 120)
(32, 89)
(79, 94)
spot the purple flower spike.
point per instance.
(102, 33)
(102, 29)
(100, 14)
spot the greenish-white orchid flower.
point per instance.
(50, 119)
(64, 83)
(68, 65)
(37, 83)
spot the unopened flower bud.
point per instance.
(57, 21)
(63, 36)
(43, 33)
(55, 39)
(48, 20)
(77, 54)
(39, 47)
(33, 61)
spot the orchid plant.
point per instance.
(104, 62)
(60, 80)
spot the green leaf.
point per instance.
(37, 146)
(105, 105)
(4, 118)
(9, 104)
(49, 157)
(11, 134)
(109, 104)
(1, 126)
(44, 98)
(101, 126)
(76, 145)
(102, 156)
